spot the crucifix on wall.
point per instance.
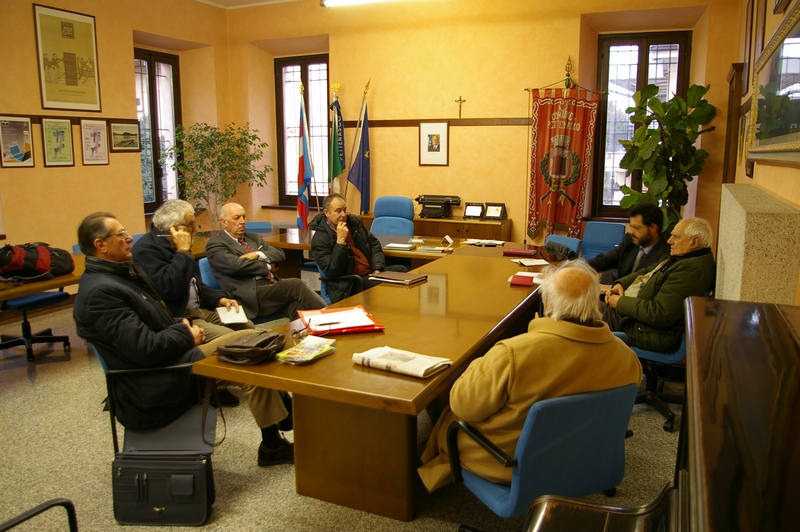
(459, 102)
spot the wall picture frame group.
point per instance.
(57, 142)
(16, 144)
(94, 142)
(434, 143)
(67, 51)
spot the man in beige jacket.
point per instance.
(569, 351)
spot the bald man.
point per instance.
(567, 352)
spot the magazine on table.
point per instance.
(310, 348)
(400, 361)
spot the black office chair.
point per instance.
(26, 304)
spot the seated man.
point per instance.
(165, 255)
(342, 245)
(567, 352)
(648, 305)
(119, 311)
(243, 264)
(641, 247)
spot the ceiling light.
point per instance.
(337, 3)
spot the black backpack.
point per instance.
(34, 261)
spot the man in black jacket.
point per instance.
(642, 246)
(342, 245)
(120, 312)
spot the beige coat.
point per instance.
(554, 358)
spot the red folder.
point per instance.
(311, 319)
(519, 252)
(521, 280)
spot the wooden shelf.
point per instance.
(457, 227)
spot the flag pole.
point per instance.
(528, 167)
(305, 135)
(359, 124)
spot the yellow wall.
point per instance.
(420, 56)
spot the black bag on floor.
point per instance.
(165, 488)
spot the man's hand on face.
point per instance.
(198, 334)
(341, 232)
(182, 239)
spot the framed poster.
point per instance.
(57, 142)
(94, 141)
(434, 146)
(125, 137)
(15, 142)
(67, 52)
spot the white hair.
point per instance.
(577, 299)
(700, 228)
(171, 214)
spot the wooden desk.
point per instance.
(743, 416)
(43, 286)
(355, 427)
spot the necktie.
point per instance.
(639, 257)
(242, 242)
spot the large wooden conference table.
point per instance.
(355, 428)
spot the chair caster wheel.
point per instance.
(669, 426)
(30, 356)
(610, 492)
(67, 346)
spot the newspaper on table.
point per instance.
(400, 361)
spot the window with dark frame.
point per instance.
(312, 72)
(626, 63)
(158, 108)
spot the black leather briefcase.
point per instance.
(164, 488)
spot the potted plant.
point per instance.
(663, 148)
(212, 163)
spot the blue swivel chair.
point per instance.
(571, 446)
(394, 215)
(601, 237)
(566, 246)
(76, 248)
(26, 304)
(208, 278)
(258, 227)
(357, 281)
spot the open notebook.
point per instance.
(339, 320)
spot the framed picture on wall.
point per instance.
(780, 6)
(15, 142)
(125, 136)
(94, 141)
(57, 142)
(434, 145)
(748, 39)
(67, 51)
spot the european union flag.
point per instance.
(359, 172)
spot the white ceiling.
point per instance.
(234, 4)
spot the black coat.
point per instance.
(121, 314)
(619, 261)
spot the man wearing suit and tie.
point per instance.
(641, 247)
(243, 264)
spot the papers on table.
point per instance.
(399, 361)
(416, 240)
(231, 316)
(441, 249)
(398, 277)
(483, 242)
(399, 247)
(339, 320)
(530, 262)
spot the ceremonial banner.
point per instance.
(359, 172)
(305, 172)
(336, 149)
(562, 138)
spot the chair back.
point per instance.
(572, 245)
(323, 286)
(394, 215)
(601, 237)
(259, 227)
(571, 446)
(207, 274)
(76, 248)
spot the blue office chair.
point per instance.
(566, 246)
(137, 236)
(208, 278)
(76, 248)
(394, 215)
(572, 446)
(601, 237)
(258, 227)
(358, 285)
(26, 304)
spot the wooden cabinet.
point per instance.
(457, 228)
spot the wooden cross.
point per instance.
(459, 102)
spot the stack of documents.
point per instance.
(399, 247)
(311, 348)
(399, 361)
(483, 242)
(398, 277)
(435, 248)
(526, 278)
(530, 262)
(339, 320)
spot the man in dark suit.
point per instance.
(642, 246)
(243, 264)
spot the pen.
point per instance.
(327, 323)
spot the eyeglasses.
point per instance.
(123, 233)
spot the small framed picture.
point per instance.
(495, 211)
(15, 142)
(125, 136)
(434, 145)
(473, 210)
(94, 140)
(57, 142)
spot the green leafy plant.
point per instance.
(663, 148)
(212, 163)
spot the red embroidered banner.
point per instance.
(562, 138)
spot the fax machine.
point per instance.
(437, 206)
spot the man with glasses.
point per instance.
(647, 305)
(119, 310)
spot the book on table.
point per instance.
(526, 278)
(531, 262)
(234, 315)
(310, 348)
(520, 252)
(339, 320)
(398, 277)
(400, 361)
(399, 246)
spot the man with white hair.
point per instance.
(567, 352)
(647, 305)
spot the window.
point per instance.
(312, 71)
(158, 109)
(626, 63)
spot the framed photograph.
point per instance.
(57, 142)
(760, 26)
(125, 136)
(434, 145)
(780, 6)
(748, 39)
(495, 211)
(473, 210)
(67, 52)
(15, 142)
(94, 140)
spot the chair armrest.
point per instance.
(66, 503)
(480, 439)
(144, 370)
